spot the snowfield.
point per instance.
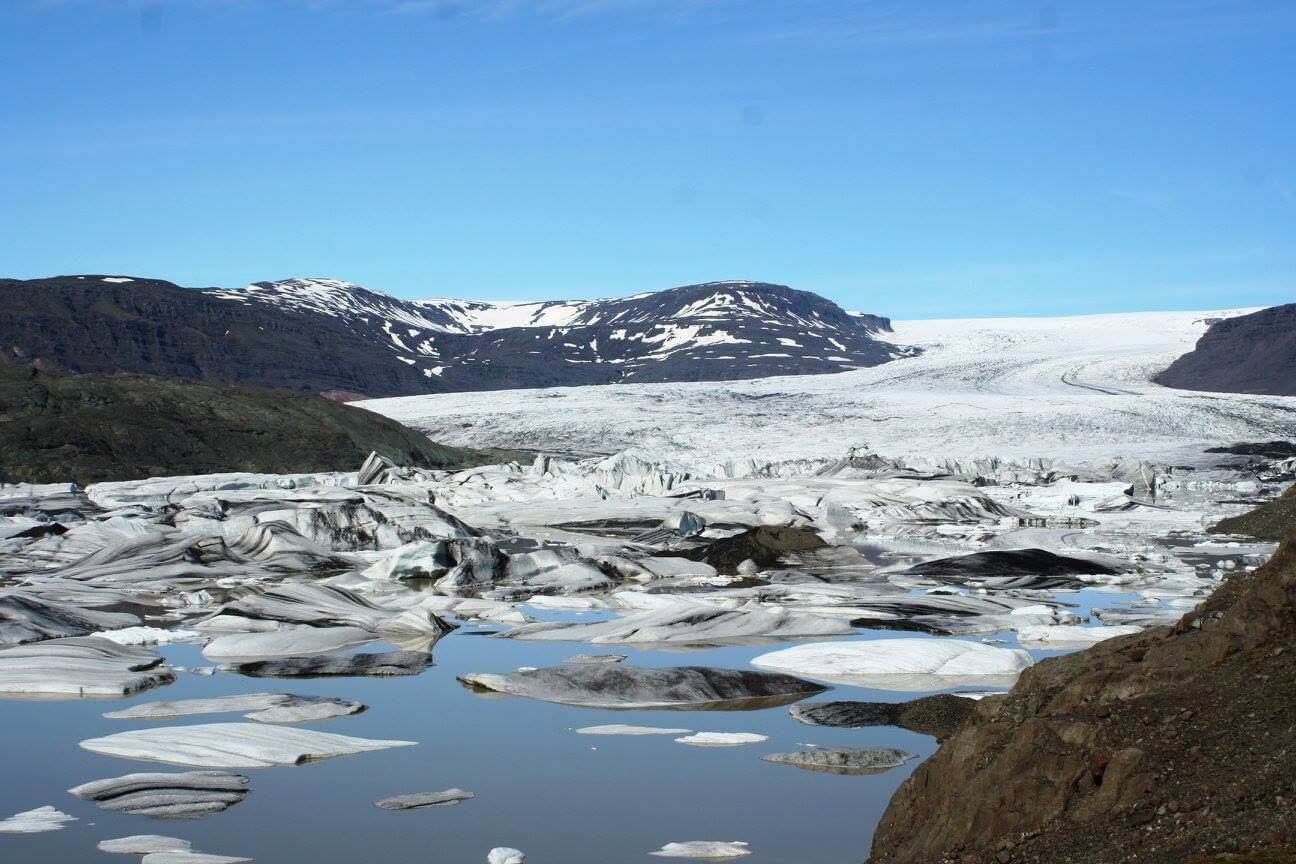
(1074, 389)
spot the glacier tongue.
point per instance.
(1073, 391)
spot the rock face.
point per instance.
(150, 326)
(714, 331)
(618, 686)
(1269, 521)
(1149, 748)
(1253, 353)
(330, 336)
(92, 428)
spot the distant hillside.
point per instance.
(329, 336)
(119, 324)
(715, 331)
(1253, 353)
(56, 427)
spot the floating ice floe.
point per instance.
(174, 795)
(327, 606)
(288, 642)
(597, 685)
(505, 855)
(149, 636)
(424, 799)
(1070, 636)
(901, 664)
(703, 849)
(380, 664)
(36, 821)
(621, 729)
(26, 617)
(79, 666)
(682, 621)
(233, 745)
(144, 844)
(596, 658)
(190, 857)
(721, 739)
(261, 707)
(843, 760)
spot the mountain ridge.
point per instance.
(1254, 353)
(327, 335)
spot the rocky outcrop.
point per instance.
(1253, 353)
(1269, 521)
(91, 428)
(1175, 742)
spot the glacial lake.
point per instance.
(560, 797)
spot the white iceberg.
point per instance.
(901, 664)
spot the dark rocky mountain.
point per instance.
(709, 332)
(56, 427)
(1253, 353)
(330, 336)
(117, 324)
(1162, 747)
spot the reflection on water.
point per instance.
(540, 787)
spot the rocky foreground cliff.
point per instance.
(1165, 746)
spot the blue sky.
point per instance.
(914, 159)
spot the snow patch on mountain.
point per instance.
(713, 331)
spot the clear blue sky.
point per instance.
(913, 158)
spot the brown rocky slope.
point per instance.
(1172, 744)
